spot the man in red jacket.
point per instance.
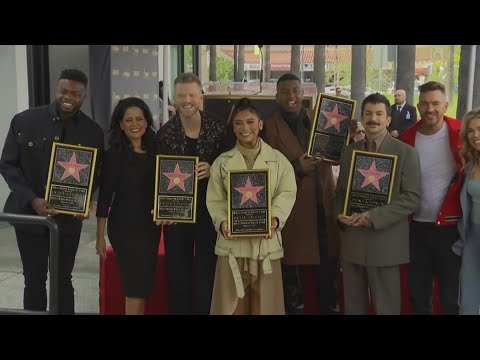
(433, 229)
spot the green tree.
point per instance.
(224, 69)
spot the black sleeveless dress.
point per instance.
(127, 186)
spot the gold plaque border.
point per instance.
(57, 145)
(315, 120)
(269, 202)
(352, 170)
(195, 159)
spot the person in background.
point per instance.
(375, 242)
(357, 131)
(127, 187)
(469, 225)
(24, 164)
(192, 133)
(403, 115)
(160, 92)
(171, 109)
(248, 277)
(433, 229)
(339, 92)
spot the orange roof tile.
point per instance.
(280, 55)
(280, 59)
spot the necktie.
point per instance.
(370, 146)
(399, 108)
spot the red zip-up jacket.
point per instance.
(451, 210)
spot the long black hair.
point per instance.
(118, 141)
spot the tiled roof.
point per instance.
(306, 55)
(280, 58)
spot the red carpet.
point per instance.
(112, 297)
(310, 295)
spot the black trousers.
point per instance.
(431, 255)
(326, 276)
(180, 242)
(34, 252)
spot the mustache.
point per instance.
(373, 123)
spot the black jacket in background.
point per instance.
(402, 120)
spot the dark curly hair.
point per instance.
(75, 75)
(118, 141)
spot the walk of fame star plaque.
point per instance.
(175, 189)
(370, 181)
(330, 128)
(70, 178)
(249, 203)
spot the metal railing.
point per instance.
(53, 304)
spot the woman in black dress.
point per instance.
(126, 199)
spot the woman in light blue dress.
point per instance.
(469, 225)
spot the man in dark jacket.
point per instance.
(191, 133)
(24, 165)
(403, 115)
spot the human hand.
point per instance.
(394, 133)
(308, 163)
(345, 219)
(42, 207)
(82, 217)
(274, 227)
(101, 247)
(225, 230)
(362, 220)
(202, 170)
(171, 111)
